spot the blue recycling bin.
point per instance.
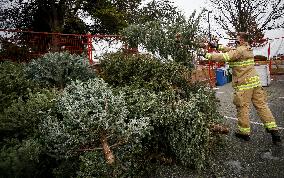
(221, 77)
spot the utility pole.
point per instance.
(210, 38)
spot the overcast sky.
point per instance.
(188, 6)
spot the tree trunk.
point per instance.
(219, 129)
(106, 149)
(56, 22)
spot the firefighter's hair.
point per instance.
(243, 35)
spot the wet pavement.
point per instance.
(237, 158)
(258, 157)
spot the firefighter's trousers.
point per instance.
(258, 97)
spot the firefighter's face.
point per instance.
(239, 40)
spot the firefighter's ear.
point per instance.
(249, 48)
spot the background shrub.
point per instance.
(22, 152)
(169, 39)
(58, 69)
(144, 71)
(20, 158)
(22, 106)
(14, 84)
(22, 118)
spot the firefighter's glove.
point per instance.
(213, 44)
(208, 56)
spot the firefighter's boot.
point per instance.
(242, 136)
(275, 135)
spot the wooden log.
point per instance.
(106, 149)
(219, 129)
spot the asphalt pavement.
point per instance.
(258, 157)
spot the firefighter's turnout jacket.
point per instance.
(246, 83)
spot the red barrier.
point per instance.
(22, 46)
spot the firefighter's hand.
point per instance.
(201, 52)
(202, 45)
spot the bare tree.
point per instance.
(252, 16)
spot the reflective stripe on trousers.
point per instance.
(243, 130)
(270, 125)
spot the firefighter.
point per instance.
(246, 83)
